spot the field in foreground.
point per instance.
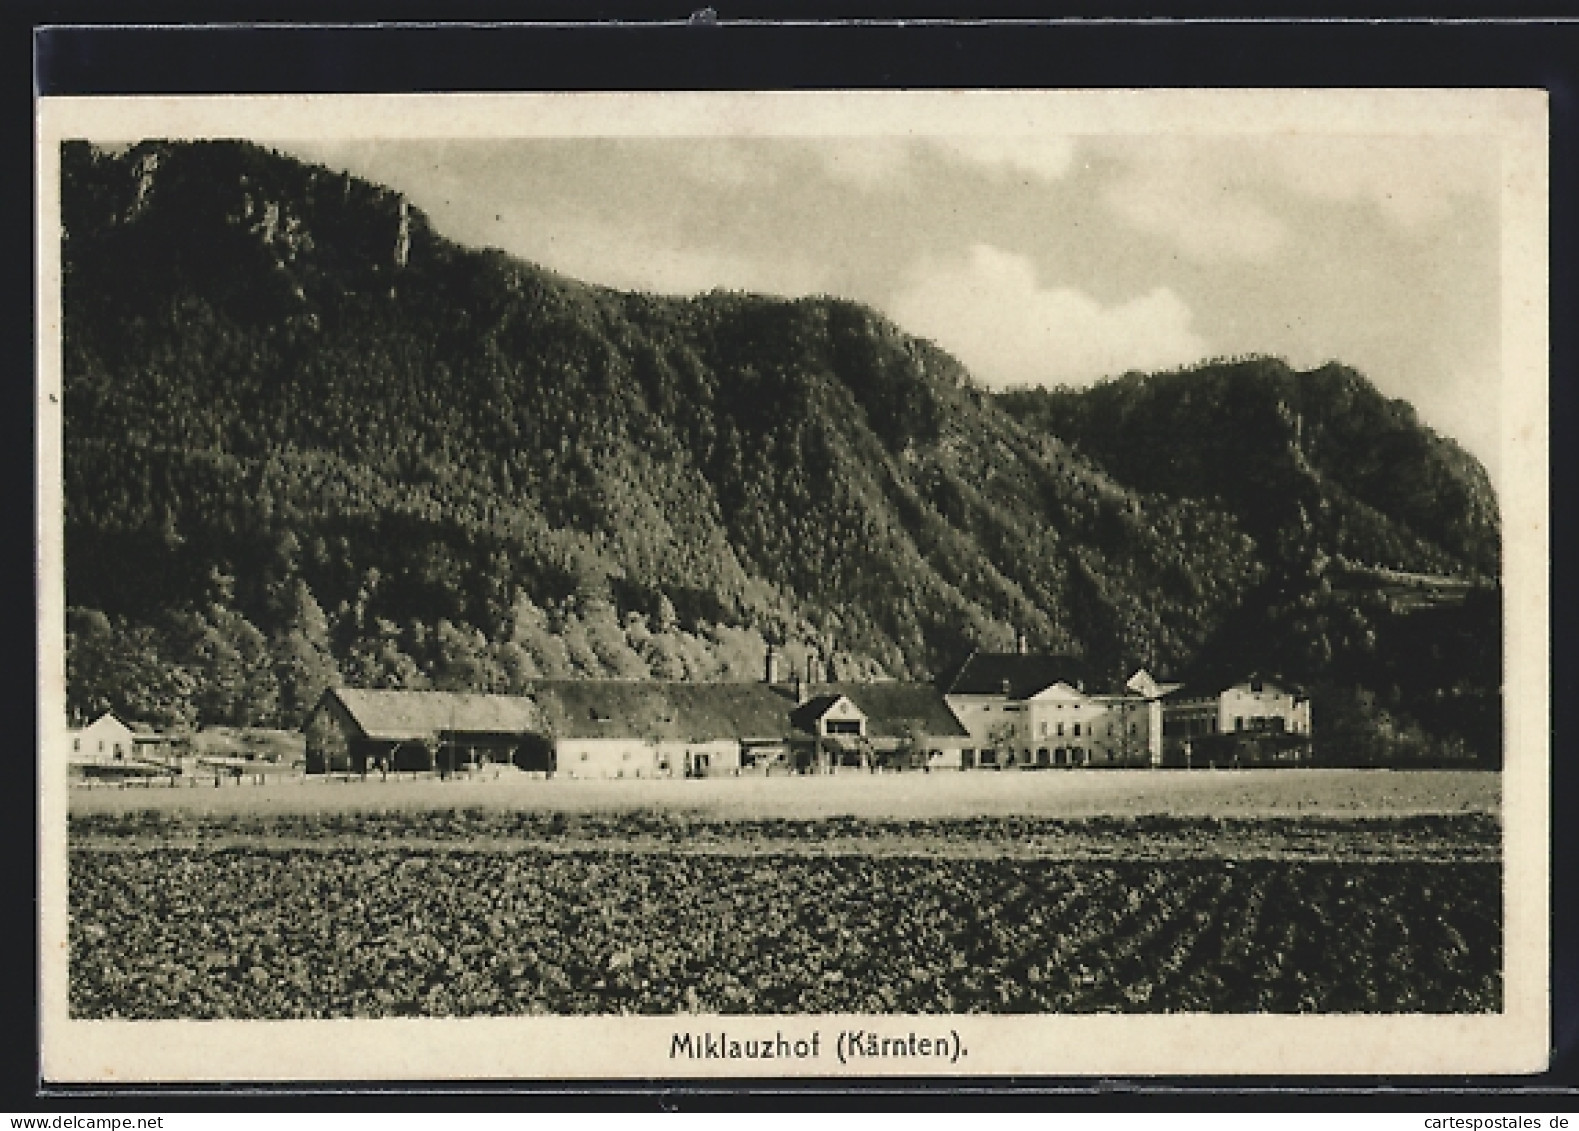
(1117, 793)
(486, 912)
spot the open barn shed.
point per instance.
(361, 731)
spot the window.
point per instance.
(583, 755)
(1044, 728)
(1077, 730)
(843, 726)
(76, 744)
(1239, 723)
(1060, 730)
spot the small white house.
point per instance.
(103, 742)
(1261, 705)
(1198, 717)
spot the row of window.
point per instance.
(1042, 756)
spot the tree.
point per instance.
(232, 661)
(463, 661)
(304, 663)
(113, 665)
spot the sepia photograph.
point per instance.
(897, 583)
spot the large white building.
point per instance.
(1025, 710)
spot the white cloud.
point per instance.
(866, 163)
(1245, 199)
(1006, 155)
(991, 313)
(1185, 191)
(1413, 181)
(724, 164)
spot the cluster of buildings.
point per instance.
(998, 711)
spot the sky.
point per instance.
(1034, 259)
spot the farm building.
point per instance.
(648, 728)
(361, 730)
(103, 742)
(885, 724)
(999, 711)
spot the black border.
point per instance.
(74, 48)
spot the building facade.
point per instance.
(1039, 712)
(1253, 720)
(105, 741)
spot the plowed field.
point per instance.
(484, 912)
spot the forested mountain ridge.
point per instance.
(309, 440)
(1280, 449)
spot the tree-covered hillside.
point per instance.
(309, 440)
(1357, 511)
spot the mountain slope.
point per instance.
(1282, 449)
(308, 439)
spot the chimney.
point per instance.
(1020, 644)
(800, 690)
(771, 675)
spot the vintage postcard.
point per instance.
(833, 585)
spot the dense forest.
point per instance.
(310, 441)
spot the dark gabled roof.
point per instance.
(805, 716)
(395, 716)
(891, 708)
(1022, 674)
(678, 712)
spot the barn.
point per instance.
(359, 731)
(608, 728)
